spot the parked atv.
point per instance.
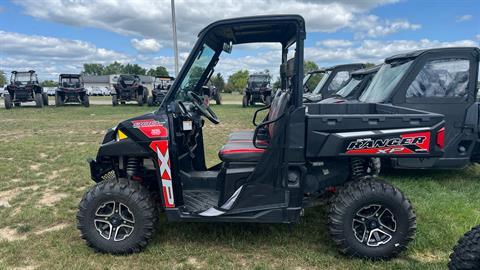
(298, 154)
(129, 88)
(443, 81)
(332, 80)
(161, 85)
(466, 254)
(24, 87)
(71, 90)
(360, 80)
(258, 90)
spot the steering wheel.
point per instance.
(205, 110)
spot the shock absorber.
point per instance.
(133, 164)
(361, 168)
(358, 169)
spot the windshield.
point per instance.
(385, 81)
(348, 88)
(22, 77)
(190, 81)
(70, 82)
(322, 82)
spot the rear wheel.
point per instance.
(8, 101)
(466, 254)
(145, 96)
(38, 100)
(45, 99)
(117, 216)
(371, 219)
(114, 100)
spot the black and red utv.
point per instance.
(129, 88)
(332, 80)
(441, 80)
(161, 85)
(298, 154)
(71, 90)
(24, 87)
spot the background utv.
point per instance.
(24, 87)
(129, 88)
(71, 90)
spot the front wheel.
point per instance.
(245, 101)
(140, 100)
(8, 101)
(150, 101)
(86, 101)
(268, 100)
(466, 254)
(114, 100)
(117, 216)
(58, 100)
(371, 219)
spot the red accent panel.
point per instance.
(161, 149)
(242, 150)
(441, 138)
(151, 128)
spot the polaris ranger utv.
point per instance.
(71, 90)
(129, 88)
(24, 87)
(258, 90)
(161, 85)
(443, 81)
(333, 79)
(360, 80)
(296, 155)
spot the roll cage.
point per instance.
(287, 30)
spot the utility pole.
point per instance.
(174, 28)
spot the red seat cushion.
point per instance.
(240, 151)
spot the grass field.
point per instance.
(44, 174)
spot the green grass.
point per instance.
(44, 173)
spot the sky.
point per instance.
(58, 36)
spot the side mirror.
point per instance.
(227, 47)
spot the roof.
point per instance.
(347, 66)
(415, 54)
(266, 28)
(322, 70)
(366, 71)
(70, 75)
(30, 71)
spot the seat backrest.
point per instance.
(278, 110)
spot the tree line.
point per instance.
(119, 68)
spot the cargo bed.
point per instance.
(372, 129)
